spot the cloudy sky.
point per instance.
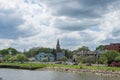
(30, 23)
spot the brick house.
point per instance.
(113, 46)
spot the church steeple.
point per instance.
(58, 46)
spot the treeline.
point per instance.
(34, 51)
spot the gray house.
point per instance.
(94, 54)
(45, 57)
(1, 57)
(59, 55)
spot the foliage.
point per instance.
(79, 59)
(21, 57)
(89, 59)
(7, 57)
(6, 51)
(117, 58)
(18, 57)
(35, 50)
(64, 58)
(68, 53)
(40, 65)
(100, 47)
(103, 60)
(109, 56)
(12, 59)
(84, 48)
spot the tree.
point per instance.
(100, 47)
(64, 58)
(84, 48)
(12, 59)
(35, 50)
(7, 57)
(117, 58)
(6, 51)
(89, 59)
(79, 59)
(21, 57)
(103, 60)
(109, 55)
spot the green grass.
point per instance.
(39, 65)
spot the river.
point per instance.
(15, 74)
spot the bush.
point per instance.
(109, 56)
(117, 59)
(89, 59)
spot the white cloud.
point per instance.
(45, 22)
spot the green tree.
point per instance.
(109, 55)
(89, 59)
(79, 59)
(64, 58)
(7, 57)
(35, 50)
(103, 60)
(12, 59)
(100, 47)
(6, 51)
(117, 58)
(84, 48)
(21, 57)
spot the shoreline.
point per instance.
(19, 67)
(96, 72)
(63, 69)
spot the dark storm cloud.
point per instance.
(8, 26)
(78, 8)
(71, 25)
(82, 10)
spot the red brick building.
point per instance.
(113, 46)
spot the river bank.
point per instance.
(110, 71)
(97, 72)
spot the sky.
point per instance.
(39, 23)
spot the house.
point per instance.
(95, 54)
(51, 57)
(113, 46)
(44, 57)
(1, 58)
(59, 55)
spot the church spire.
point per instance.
(58, 46)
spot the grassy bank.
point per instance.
(40, 65)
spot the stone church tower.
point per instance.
(58, 46)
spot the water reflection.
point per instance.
(14, 74)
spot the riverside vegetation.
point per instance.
(100, 70)
(43, 65)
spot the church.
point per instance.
(59, 53)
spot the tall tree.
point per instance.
(8, 50)
(100, 47)
(109, 56)
(84, 48)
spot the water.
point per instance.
(15, 74)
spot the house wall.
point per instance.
(115, 47)
(59, 55)
(47, 56)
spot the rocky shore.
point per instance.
(97, 72)
(62, 69)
